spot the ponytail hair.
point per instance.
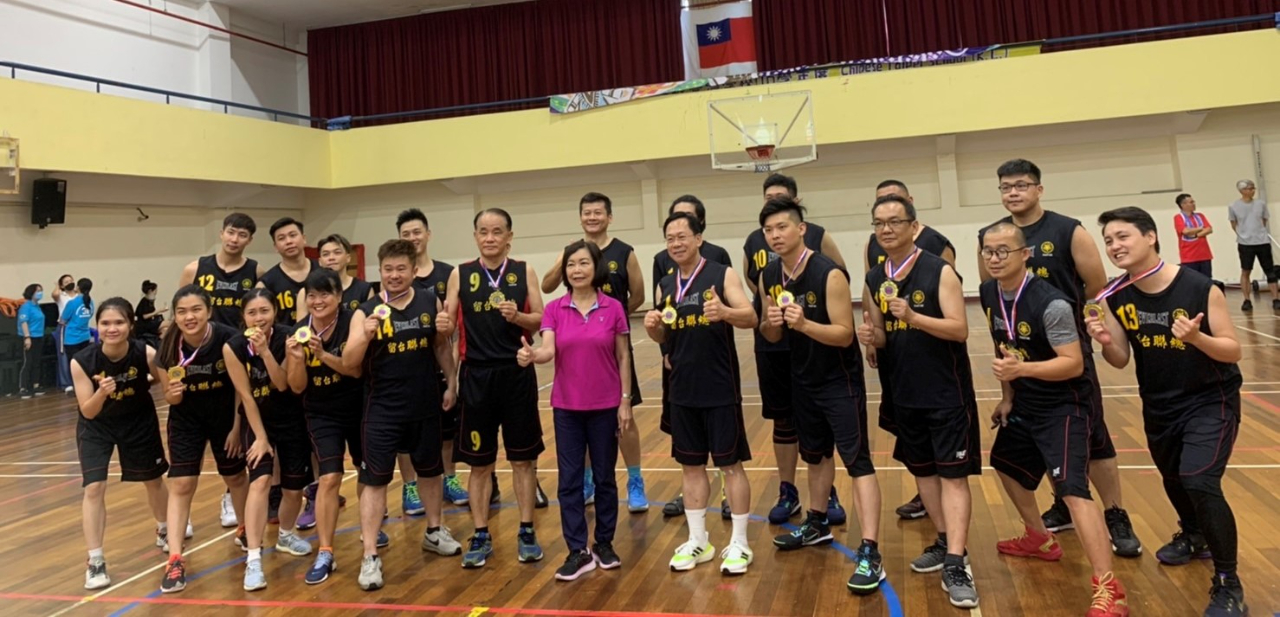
(119, 305)
(173, 336)
(85, 286)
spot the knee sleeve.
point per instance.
(784, 431)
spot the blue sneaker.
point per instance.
(869, 574)
(835, 512)
(453, 491)
(637, 501)
(528, 548)
(383, 539)
(479, 550)
(588, 489)
(788, 504)
(254, 579)
(410, 501)
(320, 570)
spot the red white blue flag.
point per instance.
(719, 40)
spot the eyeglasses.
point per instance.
(894, 223)
(1020, 186)
(1001, 253)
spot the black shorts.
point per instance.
(665, 423)
(887, 417)
(448, 417)
(420, 439)
(636, 398)
(940, 442)
(1263, 254)
(137, 436)
(1198, 444)
(715, 432)
(332, 438)
(1101, 446)
(189, 430)
(1034, 444)
(497, 397)
(773, 373)
(292, 451)
(1203, 267)
(838, 424)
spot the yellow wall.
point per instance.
(63, 129)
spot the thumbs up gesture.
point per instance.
(525, 356)
(772, 312)
(713, 309)
(794, 316)
(1188, 330)
(1007, 365)
(444, 323)
(866, 333)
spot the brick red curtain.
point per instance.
(792, 33)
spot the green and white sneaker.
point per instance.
(735, 558)
(691, 554)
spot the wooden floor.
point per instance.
(43, 556)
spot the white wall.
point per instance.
(105, 39)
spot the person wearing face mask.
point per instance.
(62, 294)
(31, 329)
(149, 316)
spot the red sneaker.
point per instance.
(1032, 544)
(1108, 598)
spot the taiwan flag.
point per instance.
(720, 40)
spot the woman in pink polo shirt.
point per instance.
(586, 333)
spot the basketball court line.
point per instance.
(1262, 334)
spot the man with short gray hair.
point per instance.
(1249, 218)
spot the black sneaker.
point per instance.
(539, 498)
(1057, 517)
(175, 576)
(726, 512)
(1123, 541)
(958, 584)
(1183, 548)
(675, 507)
(575, 565)
(273, 504)
(495, 496)
(812, 532)
(1226, 598)
(869, 572)
(1247, 306)
(605, 556)
(912, 510)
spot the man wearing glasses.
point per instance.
(1065, 255)
(1249, 218)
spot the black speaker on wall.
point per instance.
(49, 202)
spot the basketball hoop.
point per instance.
(762, 156)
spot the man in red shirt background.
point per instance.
(1193, 243)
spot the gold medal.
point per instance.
(497, 298)
(1094, 309)
(382, 311)
(669, 315)
(176, 373)
(889, 290)
(786, 298)
(302, 335)
(250, 332)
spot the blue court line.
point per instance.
(891, 596)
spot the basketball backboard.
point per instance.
(762, 133)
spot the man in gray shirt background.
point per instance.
(1249, 219)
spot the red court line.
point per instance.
(358, 606)
(43, 490)
(1261, 402)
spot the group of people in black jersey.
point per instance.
(285, 373)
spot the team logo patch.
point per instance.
(917, 297)
(221, 366)
(1024, 328)
(511, 278)
(354, 304)
(811, 298)
(426, 320)
(440, 287)
(1180, 313)
(613, 267)
(1046, 248)
(247, 284)
(706, 295)
(133, 372)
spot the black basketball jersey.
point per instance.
(618, 283)
(1173, 377)
(821, 370)
(663, 265)
(930, 241)
(208, 387)
(437, 282)
(1072, 397)
(286, 291)
(704, 359)
(133, 392)
(759, 255)
(927, 372)
(356, 294)
(330, 393)
(486, 336)
(273, 405)
(226, 289)
(1050, 242)
(399, 359)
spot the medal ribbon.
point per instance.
(495, 280)
(1120, 282)
(892, 272)
(1191, 223)
(311, 320)
(1010, 315)
(183, 360)
(682, 287)
(252, 353)
(787, 277)
(388, 301)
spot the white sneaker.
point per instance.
(735, 558)
(228, 514)
(70, 389)
(441, 542)
(96, 577)
(371, 573)
(691, 554)
(191, 531)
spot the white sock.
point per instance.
(255, 554)
(162, 527)
(697, 524)
(284, 533)
(740, 529)
(95, 555)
